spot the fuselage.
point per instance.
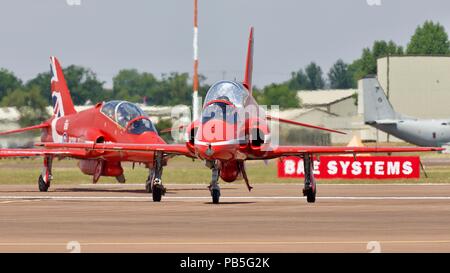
(98, 125)
(432, 133)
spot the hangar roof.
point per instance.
(294, 114)
(324, 97)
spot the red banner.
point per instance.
(364, 167)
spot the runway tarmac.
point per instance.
(272, 218)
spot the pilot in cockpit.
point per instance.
(225, 98)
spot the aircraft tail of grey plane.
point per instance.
(377, 108)
(379, 113)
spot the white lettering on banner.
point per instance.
(289, 166)
(368, 164)
(393, 167)
(407, 168)
(344, 165)
(371, 167)
(356, 168)
(332, 167)
(379, 167)
(316, 169)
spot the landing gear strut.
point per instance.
(214, 186)
(148, 183)
(46, 175)
(244, 175)
(310, 188)
(154, 183)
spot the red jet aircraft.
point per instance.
(107, 122)
(233, 128)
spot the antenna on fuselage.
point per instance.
(195, 84)
(249, 63)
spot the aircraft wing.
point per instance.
(41, 152)
(176, 149)
(280, 151)
(299, 150)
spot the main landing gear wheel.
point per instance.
(214, 186)
(157, 194)
(46, 173)
(154, 183)
(158, 191)
(310, 195)
(310, 188)
(215, 194)
(43, 186)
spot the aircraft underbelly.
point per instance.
(418, 133)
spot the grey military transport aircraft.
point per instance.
(379, 113)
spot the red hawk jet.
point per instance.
(232, 129)
(107, 122)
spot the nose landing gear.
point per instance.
(214, 186)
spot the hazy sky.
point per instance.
(156, 36)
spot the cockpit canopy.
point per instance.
(220, 111)
(227, 90)
(122, 112)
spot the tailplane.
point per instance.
(377, 107)
(249, 63)
(61, 100)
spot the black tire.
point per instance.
(215, 194)
(310, 196)
(157, 193)
(43, 187)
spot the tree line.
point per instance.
(33, 96)
(429, 39)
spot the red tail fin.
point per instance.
(61, 99)
(249, 63)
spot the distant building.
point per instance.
(9, 121)
(328, 108)
(417, 86)
(337, 102)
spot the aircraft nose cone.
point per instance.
(215, 131)
(216, 139)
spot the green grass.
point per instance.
(179, 170)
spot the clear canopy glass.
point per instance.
(123, 112)
(220, 111)
(227, 90)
